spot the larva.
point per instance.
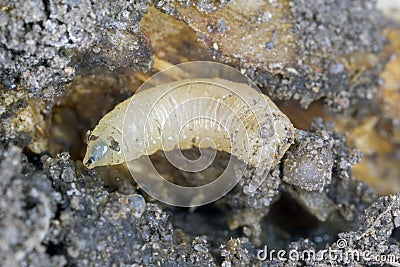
(234, 116)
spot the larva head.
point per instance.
(101, 152)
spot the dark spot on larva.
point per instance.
(93, 137)
(114, 145)
(90, 161)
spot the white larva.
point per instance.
(236, 117)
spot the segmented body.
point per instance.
(233, 117)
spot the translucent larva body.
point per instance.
(234, 116)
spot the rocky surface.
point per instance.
(296, 49)
(61, 214)
(44, 44)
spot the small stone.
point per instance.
(269, 45)
(309, 163)
(215, 46)
(96, 49)
(137, 203)
(266, 16)
(200, 248)
(221, 26)
(336, 68)
(397, 221)
(68, 175)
